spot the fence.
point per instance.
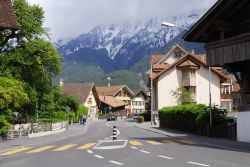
(19, 130)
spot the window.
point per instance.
(236, 101)
(177, 54)
(188, 74)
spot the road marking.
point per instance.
(117, 163)
(162, 156)
(114, 146)
(170, 142)
(98, 156)
(15, 151)
(153, 142)
(90, 151)
(86, 146)
(135, 143)
(187, 142)
(199, 164)
(66, 147)
(40, 149)
(134, 147)
(144, 151)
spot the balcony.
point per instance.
(231, 50)
(225, 96)
(188, 82)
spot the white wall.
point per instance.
(167, 82)
(92, 107)
(171, 80)
(202, 87)
(243, 126)
(138, 98)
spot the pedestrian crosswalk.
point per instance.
(86, 146)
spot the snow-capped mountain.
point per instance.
(120, 46)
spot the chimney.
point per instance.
(192, 51)
(61, 82)
(108, 84)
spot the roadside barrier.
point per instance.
(114, 133)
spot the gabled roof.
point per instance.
(111, 101)
(193, 58)
(111, 90)
(81, 91)
(155, 59)
(174, 47)
(7, 16)
(139, 91)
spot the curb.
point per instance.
(205, 143)
(41, 134)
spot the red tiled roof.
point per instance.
(7, 16)
(111, 90)
(236, 88)
(192, 57)
(80, 90)
(111, 101)
(155, 59)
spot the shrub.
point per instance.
(102, 116)
(81, 110)
(191, 118)
(4, 125)
(61, 115)
(146, 115)
(140, 119)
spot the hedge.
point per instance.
(193, 118)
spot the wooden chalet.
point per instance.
(225, 29)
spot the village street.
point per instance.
(134, 146)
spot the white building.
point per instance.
(181, 69)
(138, 102)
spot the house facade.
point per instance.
(86, 94)
(138, 102)
(120, 92)
(183, 70)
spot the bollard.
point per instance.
(114, 132)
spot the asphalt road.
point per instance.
(134, 148)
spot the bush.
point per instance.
(4, 125)
(71, 116)
(140, 119)
(102, 116)
(192, 118)
(60, 115)
(146, 115)
(81, 110)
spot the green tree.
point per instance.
(12, 97)
(27, 56)
(182, 95)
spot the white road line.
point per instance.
(90, 151)
(134, 147)
(117, 163)
(199, 164)
(144, 151)
(162, 156)
(98, 156)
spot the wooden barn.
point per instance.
(225, 29)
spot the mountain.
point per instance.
(121, 51)
(120, 46)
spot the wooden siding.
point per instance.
(228, 51)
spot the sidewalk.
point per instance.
(72, 131)
(219, 143)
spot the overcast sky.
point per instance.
(69, 18)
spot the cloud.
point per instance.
(69, 18)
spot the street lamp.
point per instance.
(167, 24)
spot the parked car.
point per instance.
(111, 118)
